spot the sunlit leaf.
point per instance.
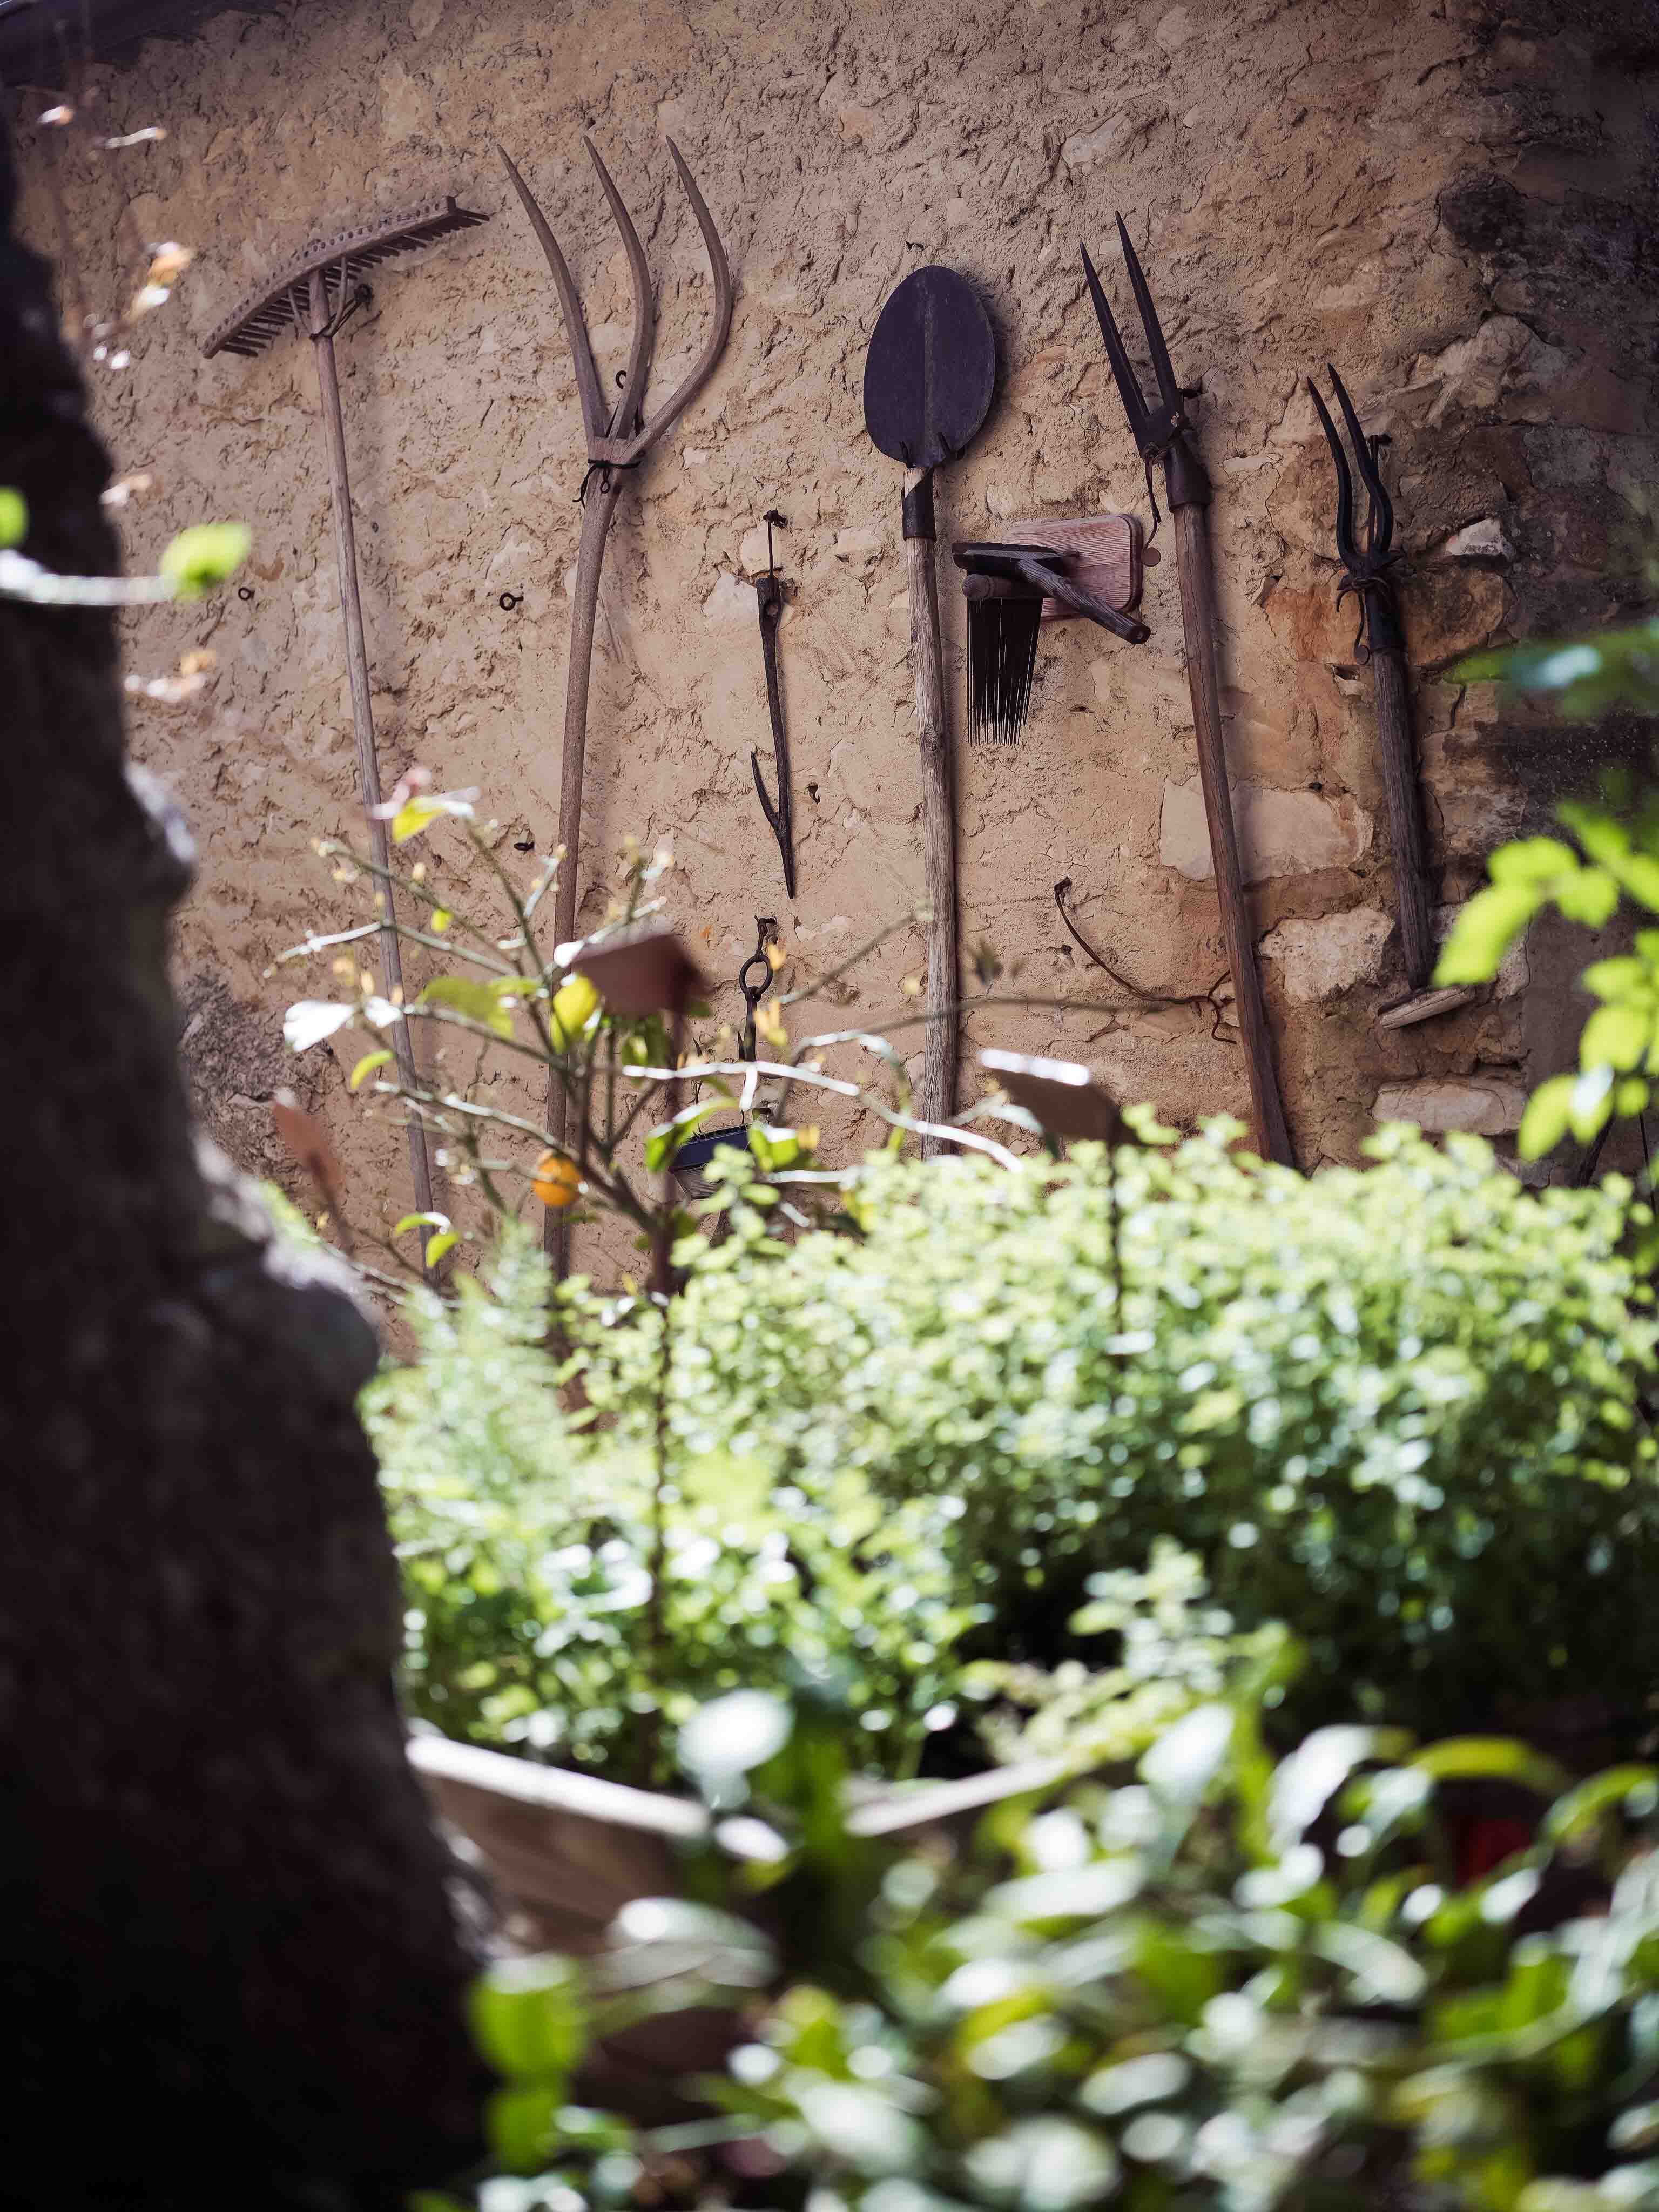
(367, 1066)
(1484, 931)
(201, 558)
(1544, 1124)
(445, 1241)
(13, 517)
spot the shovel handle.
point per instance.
(938, 824)
(1200, 617)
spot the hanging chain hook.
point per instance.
(766, 929)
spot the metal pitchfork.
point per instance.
(1165, 433)
(315, 295)
(618, 439)
(1365, 575)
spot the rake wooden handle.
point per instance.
(362, 723)
(939, 833)
(1199, 616)
(1404, 794)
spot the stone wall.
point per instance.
(1450, 199)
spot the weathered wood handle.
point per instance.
(1404, 793)
(939, 833)
(1199, 616)
(362, 723)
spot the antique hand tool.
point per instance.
(1007, 586)
(695, 1154)
(315, 295)
(1365, 574)
(782, 817)
(618, 439)
(928, 382)
(1164, 434)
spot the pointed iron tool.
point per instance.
(1164, 433)
(316, 295)
(927, 383)
(1365, 575)
(780, 813)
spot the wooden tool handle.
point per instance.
(939, 833)
(1198, 617)
(1405, 796)
(362, 723)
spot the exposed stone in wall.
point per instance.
(1451, 202)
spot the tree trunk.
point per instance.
(228, 1967)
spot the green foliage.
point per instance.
(13, 517)
(1585, 677)
(1618, 1046)
(526, 1535)
(1400, 1410)
(1223, 1984)
(201, 558)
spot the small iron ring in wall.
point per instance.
(245, 590)
(509, 600)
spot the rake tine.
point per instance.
(570, 305)
(1168, 390)
(629, 408)
(702, 368)
(1347, 552)
(1128, 384)
(1380, 519)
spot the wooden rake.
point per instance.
(618, 438)
(314, 295)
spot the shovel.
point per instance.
(927, 383)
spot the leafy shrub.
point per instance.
(1223, 1984)
(527, 1536)
(1400, 1410)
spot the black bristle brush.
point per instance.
(1005, 587)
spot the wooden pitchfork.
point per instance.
(314, 295)
(618, 438)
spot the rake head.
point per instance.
(285, 303)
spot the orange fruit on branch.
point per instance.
(556, 1182)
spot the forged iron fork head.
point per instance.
(1364, 568)
(619, 437)
(1160, 432)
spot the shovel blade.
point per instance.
(930, 371)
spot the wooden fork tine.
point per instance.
(669, 413)
(630, 409)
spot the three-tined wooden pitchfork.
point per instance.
(617, 439)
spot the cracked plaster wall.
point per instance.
(1450, 199)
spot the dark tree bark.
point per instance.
(228, 1968)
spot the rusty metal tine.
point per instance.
(1379, 528)
(1168, 390)
(1128, 384)
(595, 414)
(630, 409)
(703, 368)
(1347, 551)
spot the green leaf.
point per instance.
(202, 556)
(1592, 1102)
(1616, 979)
(14, 518)
(487, 1004)
(445, 1241)
(521, 2124)
(662, 1145)
(1544, 1124)
(1591, 897)
(1615, 1036)
(1486, 929)
(1532, 861)
(309, 1021)
(1582, 1808)
(1631, 1096)
(367, 1066)
(1490, 1757)
(420, 1221)
(528, 2019)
